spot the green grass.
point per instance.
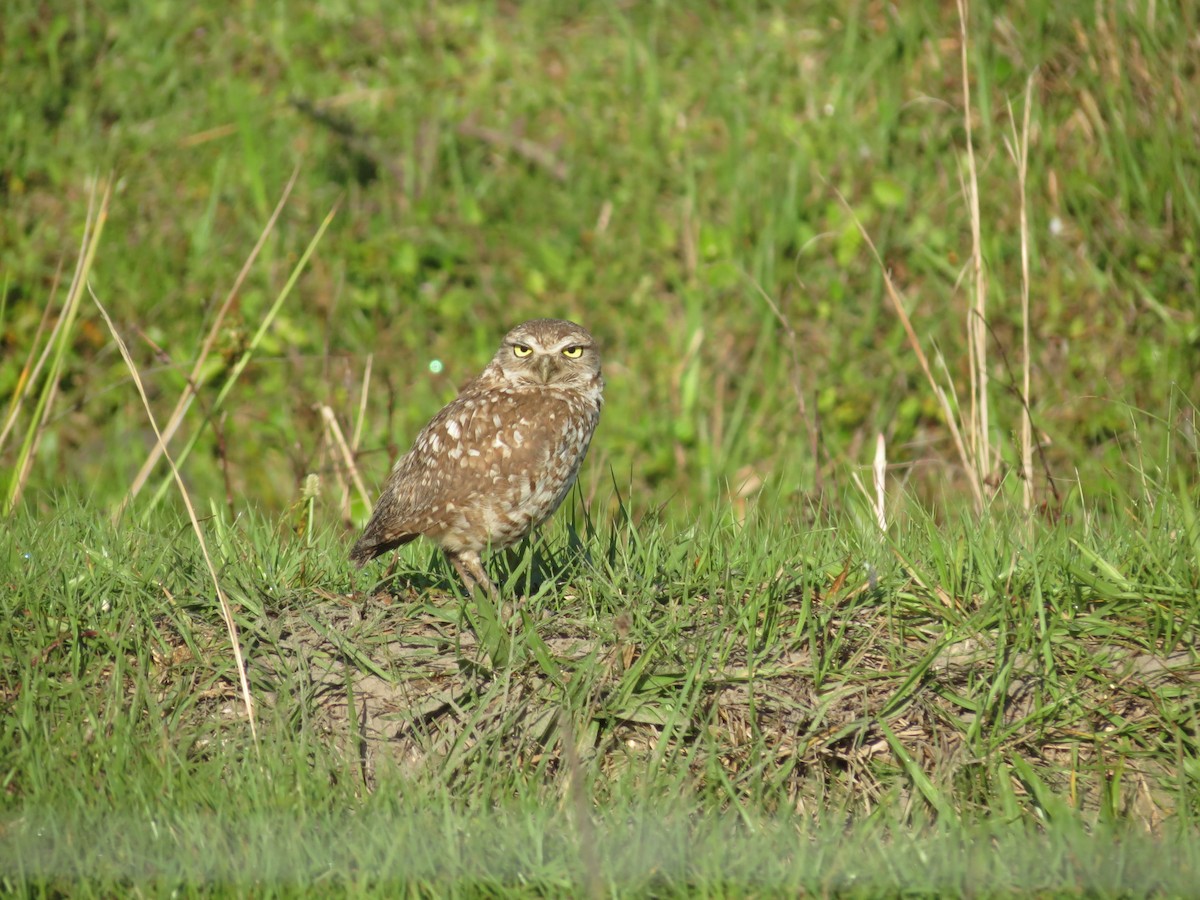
(702, 153)
(711, 712)
(723, 680)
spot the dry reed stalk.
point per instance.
(938, 391)
(362, 404)
(978, 423)
(1018, 149)
(877, 501)
(880, 471)
(223, 601)
(356, 438)
(347, 455)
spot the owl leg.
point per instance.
(469, 566)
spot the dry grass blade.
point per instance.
(189, 391)
(226, 609)
(60, 337)
(880, 471)
(362, 404)
(978, 423)
(339, 439)
(244, 360)
(356, 440)
(877, 501)
(1018, 149)
(943, 401)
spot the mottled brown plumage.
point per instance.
(500, 458)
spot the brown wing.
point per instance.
(480, 465)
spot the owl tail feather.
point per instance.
(369, 546)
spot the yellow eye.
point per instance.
(521, 351)
(572, 352)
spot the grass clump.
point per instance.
(792, 711)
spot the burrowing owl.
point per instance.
(501, 457)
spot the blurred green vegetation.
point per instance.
(643, 168)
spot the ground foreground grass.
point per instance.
(735, 710)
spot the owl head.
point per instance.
(548, 352)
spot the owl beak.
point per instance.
(544, 366)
